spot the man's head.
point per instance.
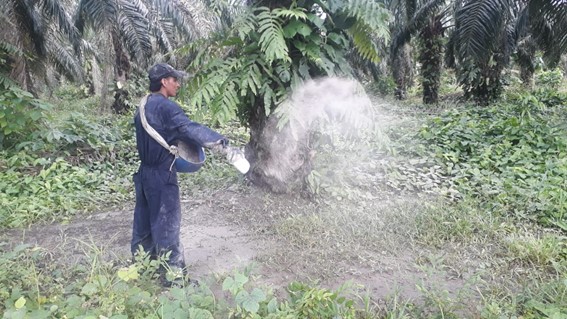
(164, 76)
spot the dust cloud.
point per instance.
(317, 112)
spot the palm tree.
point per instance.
(42, 33)
(487, 32)
(137, 29)
(425, 19)
(271, 48)
(401, 60)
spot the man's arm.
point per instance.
(192, 132)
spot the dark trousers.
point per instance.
(157, 214)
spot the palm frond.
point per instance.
(133, 26)
(415, 24)
(548, 21)
(32, 24)
(450, 54)
(478, 22)
(163, 32)
(363, 42)
(96, 12)
(410, 8)
(521, 26)
(64, 59)
(181, 17)
(272, 41)
(55, 9)
(7, 54)
(371, 13)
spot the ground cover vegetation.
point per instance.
(489, 171)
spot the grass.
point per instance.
(380, 216)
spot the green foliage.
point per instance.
(7, 53)
(512, 155)
(99, 288)
(68, 163)
(35, 188)
(312, 302)
(550, 79)
(20, 115)
(267, 52)
(383, 86)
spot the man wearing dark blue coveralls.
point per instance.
(157, 214)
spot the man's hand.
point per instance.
(218, 146)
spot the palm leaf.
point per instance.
(96, 12)
(478, 22)
(32, 24)
(415, 24)
(548, 21)
(64, 59)
(450, 55)
(272, 41)
(363, 43)
(133, 24)
(371, 13)
(55, 9)
(180, 15)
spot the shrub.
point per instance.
(512, 155)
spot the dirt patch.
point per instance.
(244, 227)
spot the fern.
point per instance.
(245, 24)
(7, 51)
(272, 41)
(269, 100)
(225, 105)
(251, 80)
(295, 13)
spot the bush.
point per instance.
(103, 290)
(71, 162)
(512, 155)
(20, 115)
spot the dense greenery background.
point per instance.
(491, 138)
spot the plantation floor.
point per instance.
(282, 238)
(279, 237)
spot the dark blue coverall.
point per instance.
(157, 214)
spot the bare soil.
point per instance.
(233, 229)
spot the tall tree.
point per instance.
(425, 21)
(137, 29)
(487, 32)
(401, 59)
(272, 47)
(43, 32)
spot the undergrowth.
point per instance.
(512, 155)
(33, 285)
(73, 160)
(504, 165)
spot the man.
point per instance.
(157, 214)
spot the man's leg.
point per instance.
(141, 227)
(166, 229)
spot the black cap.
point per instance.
(164, 70)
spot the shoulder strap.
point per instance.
(153, 133)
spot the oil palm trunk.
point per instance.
(431, 42)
